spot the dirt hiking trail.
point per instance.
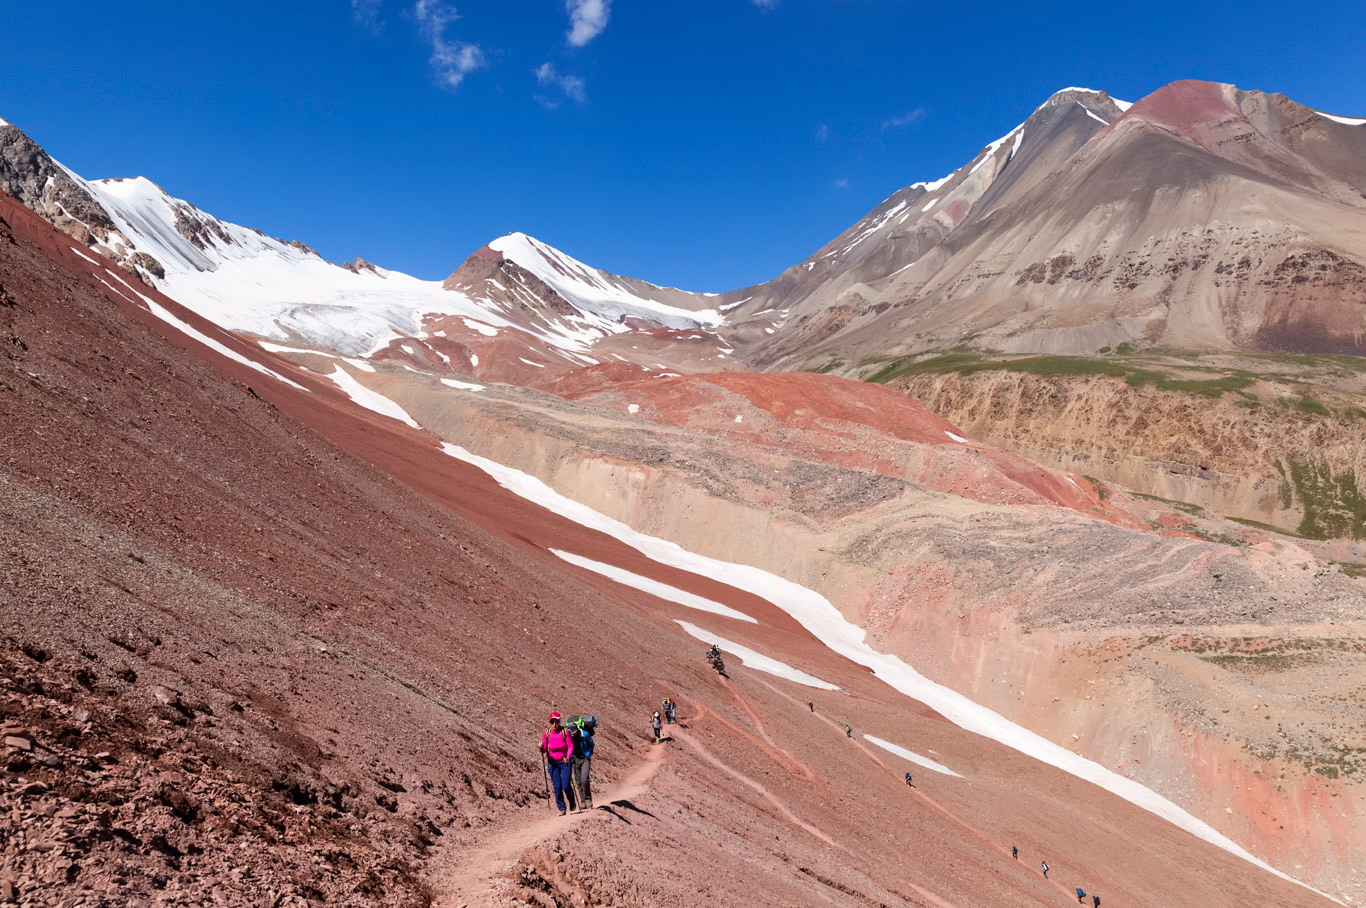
(476, 877)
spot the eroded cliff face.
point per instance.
(1273, 451)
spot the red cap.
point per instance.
(553, 717)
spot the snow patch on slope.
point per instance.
(189, 330)
(755, 660)
(912, 756)
(371, 400)
(653, 587)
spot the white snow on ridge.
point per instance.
(371, 400)
(991, 149)
(815, 613)
(755, 660)
(653, 587)
(249, 282)
(587, 289)
(1345, 121)
(912, 756)
(932, 185)
(1092, 114)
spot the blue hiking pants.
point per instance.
(561, 779)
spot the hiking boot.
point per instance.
(588, 805)
(561, 813)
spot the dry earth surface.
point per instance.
(263, 647)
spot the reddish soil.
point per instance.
(268, 648)
(838, 421)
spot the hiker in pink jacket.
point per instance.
(558, 748)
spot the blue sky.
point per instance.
(706, 145)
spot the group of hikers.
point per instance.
(1043, 865)
(568, 753)
(567, 749)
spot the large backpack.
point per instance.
(585, 724)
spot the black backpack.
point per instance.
(590, 725)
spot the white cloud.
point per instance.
(822, 132)
(909, 118)
(587, 19)
(573, 86)
(366, 12)
(842, 183)
(451, 60)
(766, 4)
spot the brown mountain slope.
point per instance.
(1205, 218)
(243, 663)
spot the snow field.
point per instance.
(653, 587)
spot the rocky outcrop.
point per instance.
(30, 175)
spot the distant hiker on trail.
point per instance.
(1015, 852)
(1044, 865)
(908, 778)
(669, 708)
(714, 659)
(1081, 894)
(557, 746)
(848, 732)
(656, 725)
(581, 728)
(811, 705)
(1095, 901)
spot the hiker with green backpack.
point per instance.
(581, 728)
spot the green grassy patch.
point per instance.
(1264, 526)
(1334, 506)
(829, 366)
(1136, 374)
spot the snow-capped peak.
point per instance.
(592, 290)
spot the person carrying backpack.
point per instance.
(582, 728)
(656, 725)
(1095, 901)
(848, 730)
(1015, 852)
(1081, 894)
(670, 709)
(1044, 865)
(557, 746)
(908, 778)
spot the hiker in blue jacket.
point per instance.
(582, 730)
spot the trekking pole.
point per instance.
(545, 776)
